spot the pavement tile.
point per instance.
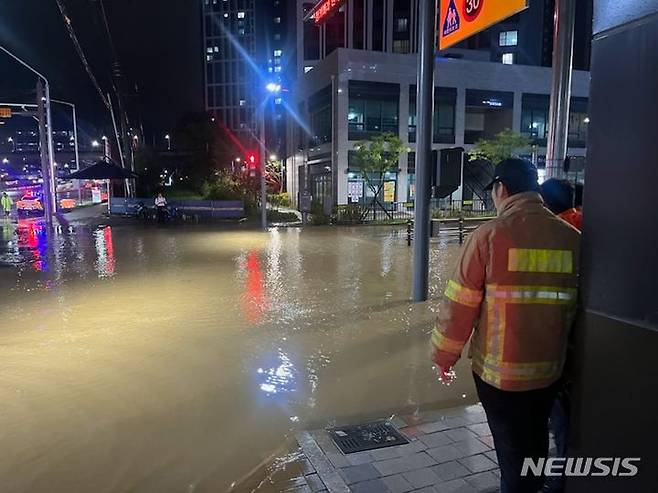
(397, 484)
(325, 442)
(437, 439)
(315, 483)
(372, 486)
(386, 453)
(478, 463)
(471, 446)
(427, 489)
(445, 453)
(480, 429)
(391, 466)
(338, 460)
(404, 464)
(455, 486)
(492, 455)
(356, 474)
(459, 434)
(411, 432)
(487, 440)
(484, 481)
(450, 470)
(419, 460)
(475, 417)
(433, 427)
(332, 480)
(359, 458)
(421, 477)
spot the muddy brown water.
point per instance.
(143, 359)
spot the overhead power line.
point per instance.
(81, 53)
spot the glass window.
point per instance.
(355, 115)
(508, 38)
(401, 24)
(240, 15)
(508, 58)
(401, 46)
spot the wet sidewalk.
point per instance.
(450, 451)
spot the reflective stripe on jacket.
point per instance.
(514, 291)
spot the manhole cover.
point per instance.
(369, 436)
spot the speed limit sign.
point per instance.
(472, 9)
(461, 19)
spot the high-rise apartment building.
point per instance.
(246, 48)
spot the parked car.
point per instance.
(29, 205)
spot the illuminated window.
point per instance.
(307, 69)
(508, 58)
(278, 52)
(240, 15)
(508, 38)
(277, 20)
(277, 68)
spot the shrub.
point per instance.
(281, 217)
(279, 199)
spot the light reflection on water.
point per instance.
(164, 359)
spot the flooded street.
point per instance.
(139, 359)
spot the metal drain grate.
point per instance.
(368, 436)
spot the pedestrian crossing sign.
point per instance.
(461, 19)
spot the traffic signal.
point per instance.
(252, 163)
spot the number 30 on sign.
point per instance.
(461, 19)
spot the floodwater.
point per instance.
(145, 359)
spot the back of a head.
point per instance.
(518, 175)
(558, 195)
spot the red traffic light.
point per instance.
(252, 160)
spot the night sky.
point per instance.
(158, 42)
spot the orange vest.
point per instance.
(514, 295)
(573, 217)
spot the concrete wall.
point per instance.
(615, 402)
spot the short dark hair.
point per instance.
(558, 195)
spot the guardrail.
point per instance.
(215, 209)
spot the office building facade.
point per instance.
(346, 95)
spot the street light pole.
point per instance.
(425, 108)
(558, 123)
(263, 168)
(50, 191)
(75, 142)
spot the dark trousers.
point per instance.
(519, 425)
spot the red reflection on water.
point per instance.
(33, 238)
(254, 297)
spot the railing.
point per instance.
(218, 209)
(400, 212)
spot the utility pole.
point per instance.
(425, 109)
(46, 157)
(558, 122)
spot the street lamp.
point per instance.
(168, 139)
(50, 198)
(95, 143)
(271, 88)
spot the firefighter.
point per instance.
(514, 296)
(559, 197)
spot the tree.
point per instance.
(504, 145)
(376, 157)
